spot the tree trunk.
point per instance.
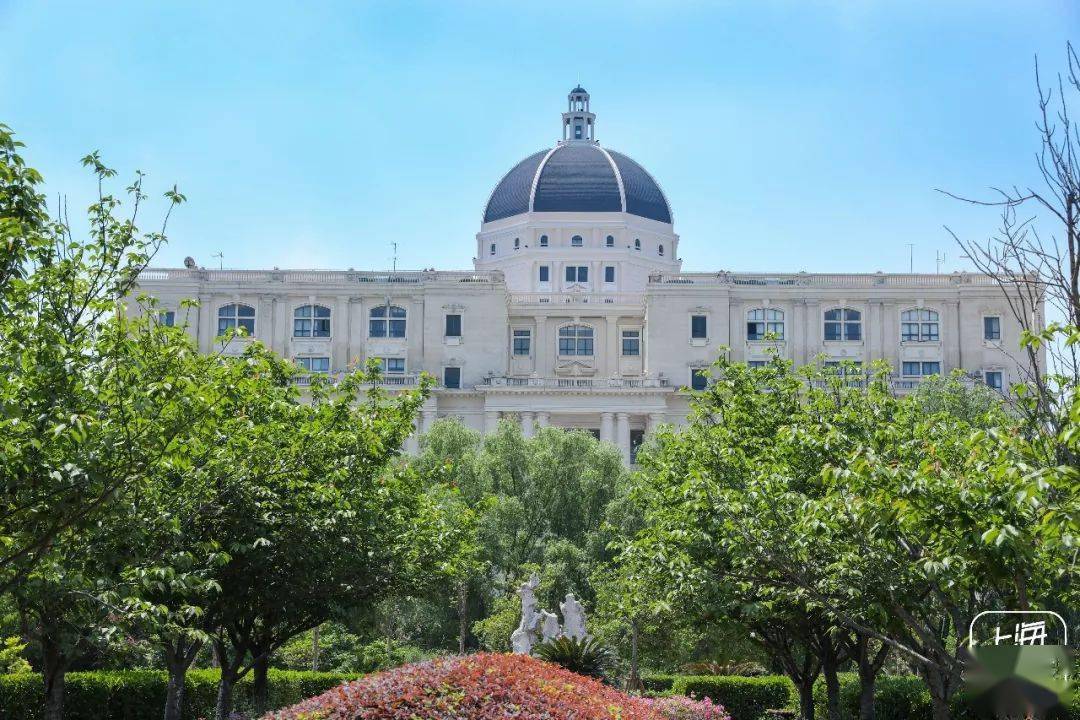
(259, 686)
(635, 676)
(178, 659)
(939, 696)
(224, 694)
(806, 698)
(832, 682)
(53, 670)
(866, 696)
(315, 649)
(463, 616)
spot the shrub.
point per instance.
(137, 694)
(584, 657)
(744, 698)
(657, 683)
(485, 686)
(680, 707)
(748, 669)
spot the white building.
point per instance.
(578, 314)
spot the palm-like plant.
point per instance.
(585, 656)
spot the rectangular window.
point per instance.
(698, 326)
(314, 364)
(757, 363)
(994, 379)
(452, 378)
(522, 344)
(609, 273)
(631, 343)
(577, 273)
(637, 437)
(453, 325)
(167, 318)
(392, 366)
(921, 369)
(545, 273)
(699, 380)
(991, 328)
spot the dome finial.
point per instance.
(578, 123)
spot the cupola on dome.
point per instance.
(578, 175)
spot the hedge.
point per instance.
(657, 683)
(140, 694)
(745, 698)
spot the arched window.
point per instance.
(843, 324)
(492, 252)
(575, 340)
(609, 241)
(311, 321)
(236, 317)
(637, 243)
(386, 321)
(576, 241)
(543, 241)
(764, 321)
(919, 325)
(517, 243)
(660, 250)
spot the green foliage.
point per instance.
(494, 630)
(585, 656)
(746, 698)
(12, 659)
(127, 695)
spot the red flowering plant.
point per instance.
(680, 707)
(485, 686)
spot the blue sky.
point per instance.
(787, 135)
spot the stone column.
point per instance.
(543, 419)
(527, 428)
(622, 435)
(607, 427)
(491, 421)
(655, 419)
(427, 419)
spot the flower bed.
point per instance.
(486, 686)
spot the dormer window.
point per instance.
(660, 251)
(517, 243)
(543, 241)
(576, 241)
(637, 243)
(492, 248)
(609, 241)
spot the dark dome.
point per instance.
(579, 90)
(577, 177)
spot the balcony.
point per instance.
(392, 381)
(576, 298)
(576, 383)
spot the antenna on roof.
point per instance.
(221, 257)
(911, 257)
(394, 266)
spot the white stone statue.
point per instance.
(549, 626)
(525, 636)
(573, 618)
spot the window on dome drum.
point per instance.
(392, 365)
(764, 321)
(699, 378)
(609, 273)
(545, 273)
(492, 252)
(517, 243)
(991, 328)
(631, 343)
(577, 132)
(167, 318)
(993, 379)
(452, 378)
(660, 251)
(575, 340)
(236, 317)
(577, 273)
(453, 325)
(636, 438)
(576, 241)
(921, 369)
(843, 324)
(386, 321)
(522, 343)
(313, 364)
(311, 321)
(543, 241)
(919, 325)
(699, 326)
(637, 243)
(609, 241)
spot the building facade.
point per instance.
(577, 312)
